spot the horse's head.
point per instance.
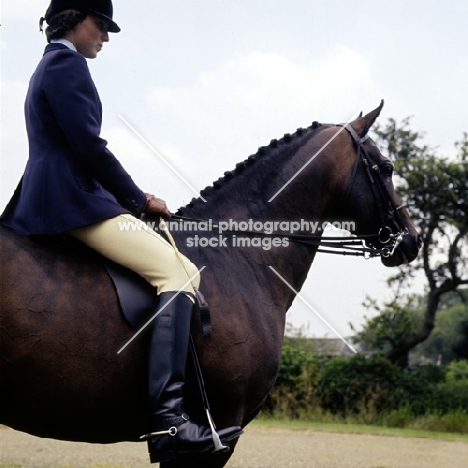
(369, 197)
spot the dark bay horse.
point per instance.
(61, 325)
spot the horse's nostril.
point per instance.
(420, 242)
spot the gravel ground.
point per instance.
(259, 447)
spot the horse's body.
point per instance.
(62, 327)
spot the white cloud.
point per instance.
(14, 143)
(265, 82)
(145, 162)
(24, 8)
(228, 112)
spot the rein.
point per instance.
(360, 245)
(349, 246)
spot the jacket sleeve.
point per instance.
(74, 100)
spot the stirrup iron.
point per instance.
(218, 445)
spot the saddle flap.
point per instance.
(136, 296)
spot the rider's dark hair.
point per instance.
(62, 22)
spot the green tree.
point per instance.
(458, 371)
(449, 339)
(436, 191)
(296, 390)
(404, 314)
(355, 384)
(390, 328)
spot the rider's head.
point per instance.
(65, 15)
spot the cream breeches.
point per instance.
(131, 243)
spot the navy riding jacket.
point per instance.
(71, 179)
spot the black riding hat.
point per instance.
(101, 8)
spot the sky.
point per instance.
(205, 83)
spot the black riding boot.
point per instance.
(172, 432)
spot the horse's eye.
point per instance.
(387, 169)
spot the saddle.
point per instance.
(137, 298)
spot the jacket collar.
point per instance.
(55, 46)
(64, 41)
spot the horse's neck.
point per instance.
(266, 186)
(257, 191)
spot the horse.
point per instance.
(61, 325)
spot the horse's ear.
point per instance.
(362, 124)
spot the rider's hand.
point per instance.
(157, 206)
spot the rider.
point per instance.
(74, 185)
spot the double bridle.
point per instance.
(382, 197)
(365, 245)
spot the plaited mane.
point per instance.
(262, 152)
